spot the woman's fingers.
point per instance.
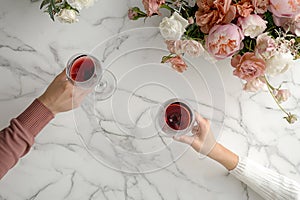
(185, 139)
(199, 118)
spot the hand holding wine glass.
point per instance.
(60, 95)
(204, 142)
(203, 139)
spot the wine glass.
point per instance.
(85, 71)
(175, 117)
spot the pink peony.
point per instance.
(152, 6)
(253, 25)
(224, 40)
(177, 63)
(212, 12)
(254, 85)
(291, 24)
(295, 25)
(287, 8)
(282, 21)
(248, 66)
(265, 46)
(282, 95)
(260, 6)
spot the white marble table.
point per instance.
(33, 50)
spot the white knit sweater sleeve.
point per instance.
(267, 183)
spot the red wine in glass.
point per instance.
(178, 116)
(174, 117)
(85, 71)
(82, 69)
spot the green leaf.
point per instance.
(45, 2)
(50, 11)
(52, 2)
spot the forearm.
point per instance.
(16, 140)
(224, 156)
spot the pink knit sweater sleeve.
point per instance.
(18, 137)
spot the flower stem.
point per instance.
(167, 7)
(271, 90)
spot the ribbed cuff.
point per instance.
(35, 117)
(268, 183)
(240, 168)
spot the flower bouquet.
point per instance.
(262, 37)
(65, 11)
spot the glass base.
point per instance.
(106, 86)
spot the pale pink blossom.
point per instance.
(279, 63)
(260, 6)
(177, 63)
(224, 40)
(254, 85)
(286, 8)
(152, 6)
(132, 14)
(248, 67)
(252, 25)
(265, 46)
(282, 95)
(213, 12)
(175, 46)
(291, 118)
(191, 20)
(192, 48)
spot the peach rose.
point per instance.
(152, 6)
(248, 66)
(174, 46)
(244, 8)
(212, 12)
(177, 63)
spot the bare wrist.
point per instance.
(224, 156)
(47, 103)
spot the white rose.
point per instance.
(79, 4)
(173, 28)
(67, 16)
(253, 25)
(279, 63)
